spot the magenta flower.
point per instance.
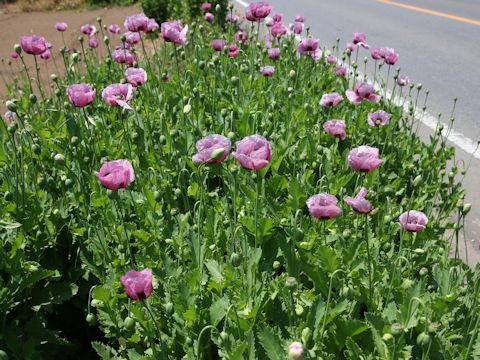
(232, 18)
(14, 55)
(88, 29)
(46, 55)
(331, 59)
(335, 128)
(277, 18)
(137, 22)
(136, 76)
(323, 206)
(295, 351)
(253, 152)
(351, 46)
(93, 43)
(118, 95)
(209, 17)
(363, 91)
(390, 56)
(152, 26)
(116, 174)
(132, 38)
(377, 54)
(300, 18)
(210, 149)
(359, 203)
(240, 36)
(297, 27)
(340, 70)
(121, 56)
(218, 44)
(403, 80)
(233, 51)
(309, 47)
(258, 11)
(364, 159)
(174, 32)
(360, 39)
(413, 221)
(80, 95)
(274, 53)
(206, 6)
(332, 99)
(114, 29)
(61, 26)
(278, 30)
(267, 70)
(33, 45)
(378, 118)
(138, 284)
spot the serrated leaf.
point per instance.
(239, 350)
(354, 351)
(270, 343)
(214, 270)
(104, 351)
(218, 310)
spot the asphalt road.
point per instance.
(437, 42)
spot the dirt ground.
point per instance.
(15, 25)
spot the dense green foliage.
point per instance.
(163, 10)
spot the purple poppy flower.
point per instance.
(132, 38)
(10, 117)
(277, 18)
(364, 158)
(403, 80)
(136, 22)
(377, 54)
(233, 51)
(297, 27)
(46, 55)
(138, 284)
(240, 36)
(174, 32)
(118, 95)
(359, 203)
(267, 70)
(340, 70)
(299, 18)
(274, 53)
(295, 351)
(390, 56)
(258, 11)
(278, 30)
(93, 43)
(218, 44)
(116, 174)
(33, 45)
(331, 59)
(253, 152)
(413, 221)
(232, 18)
(378, 118)
(308, 46)
(80, 95)
(206, 7)
(14, 55)
(209, 17)
(323, 206)
(360, 39)
(61, 26)
(212, 149)
(136, 76)
(88, 29)
(335, 128)
(114, 29)
(332, 99)
(152, 26)
(363, 91)
(121, 56)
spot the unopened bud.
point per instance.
(466, 208)
(59, 159)
(291, 282)
(187, 108)
(11, 106)
(217, 154)
(292, 74)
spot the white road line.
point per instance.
(461, 141)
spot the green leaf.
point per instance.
(104, 351)
(239, 350)
(271, 343)
(214, 270)
(218, 310)
(354, 351)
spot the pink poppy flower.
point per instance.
(309, 47)
(258, 11)
(363, 91)
(232, 18)
(88, 29)
(132, 38)
(206, 6)
(116, 174)
(136, 22)
(332, 99)
(209, 17)
(413, 221)
(359, 203)
(278, 30)
(351, 46)
(174, 32)
(10, 117)
(295, 351)
(240, 36)
(335, 128)
(80, 95)
(297, 27)
(331, 59)
(138, 284)
(360, 39)
(233, 51)
(274, 53)
(323, 206)
(340, 70)
(300, 18)
(364, 158)
(118, 95)
(136, 76)
(267, 70)
(93, 43)
(121, 56)
(403, 80)
(61, 26)
(269, 22)
(390, 56)
(378, 118)
(377, 54)
(218, 44)
(33, 45)
(14, 55)
(114, 29)
(253, 152)
(277, 18)
(210, 149)
(152, 26)
(46, 55)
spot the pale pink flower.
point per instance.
(218, 44)
(93, 43)
(413, 221)
(118, 95)
(363, 91)
(33, 45)
(209, 17)
(278, 30)
(323, 206)
(295, 351)
(116, 174)
(136, 22)
(206, 6)
(88, 29)
(114, 29)
(364, 159)
(378, 118)
(152, 26)
(138, 285)
(332, 99)
(390, 56)
(233, 51)
(174, 32)
(267, 70)
(232, 18)
(81, 95)
(210, 149)
(274, 53)
(253, 152)
(240, 36)
(121, 56)
(359, 203)
(258, 11)
(61, 26)
(132, 37)
(340, 70)
(331, 59)
(335, 128)
(360, 39)
(136, 76)
(403, 80)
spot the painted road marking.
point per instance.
(431, 12)
(456, 138)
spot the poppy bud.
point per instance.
(32, 98)
(397, 329)
(59, 159)
(291, 282)
(387, 337)
(129, 323)
(235, 259)
(466, 208)
(417, 181)
(169, 309)
(11, 106)
(276, 265)
(423, 339)
(91, 319)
